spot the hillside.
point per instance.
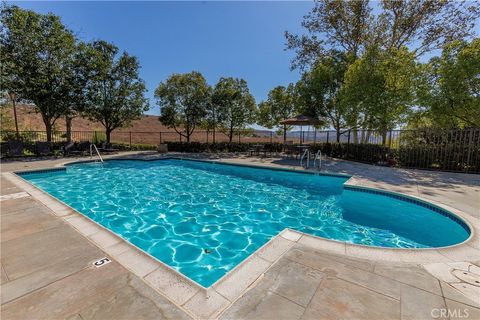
(143, 131)
(31, 121)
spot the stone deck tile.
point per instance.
(340, 299)
(418, 304)
(39, 250)
(109, 292)
(411, 275)
(292, 281)
(265, 305)
(26, 222)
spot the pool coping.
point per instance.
(201, 302)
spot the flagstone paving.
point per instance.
(47, 272)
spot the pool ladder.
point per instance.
(92, 147)
(305, 160)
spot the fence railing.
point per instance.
(433, 149)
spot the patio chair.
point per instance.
(15, 148)
(81, 148)
(288, 149)
(107, 147)
(68, 148)
(43, 148)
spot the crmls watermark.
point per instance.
(449, 313)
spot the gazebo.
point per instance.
(302, 120)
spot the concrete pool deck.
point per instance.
(306, 280)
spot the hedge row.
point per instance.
(196, 147)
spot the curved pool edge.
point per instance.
(352, 183)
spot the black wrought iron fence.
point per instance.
(433, 149)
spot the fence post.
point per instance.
(130, 140)
(180, 137)
(328, 134)
(348, 145)
(239, 135)
(271, 137)
(160, 136)
(470, 143)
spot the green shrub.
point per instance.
(98, 137)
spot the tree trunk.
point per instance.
(68, 125)
(108, 134)
(14, 105)
(48, 129)
(231, 134)
(284, 134)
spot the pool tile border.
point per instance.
(195, 299)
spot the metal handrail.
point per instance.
(318, 156)
(92, 145)
(307, 154)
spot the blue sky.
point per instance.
(237, 39)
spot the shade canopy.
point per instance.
(302, 120)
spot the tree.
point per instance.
(380, 85)
(319, 91)
(352, 26)
(37, 52)
(236, 106)
(331, 25)
(210, 120)
(280, 105)
(114, 90)
(183, 99)
(450, 95)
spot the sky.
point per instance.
(219, 39)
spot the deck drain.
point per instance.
(467, 276)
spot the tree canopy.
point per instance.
(353, 26)
(183, 101)
(236, 106)
(319, 91)
(44, 63)
(38, 54)
(114, 90)
(281, 104)
(449, 95)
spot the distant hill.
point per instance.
(29, 120)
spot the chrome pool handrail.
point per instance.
(318, 156)
(307, 154)
(93, 146)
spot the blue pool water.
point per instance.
(203, 218)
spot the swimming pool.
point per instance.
(204, 218)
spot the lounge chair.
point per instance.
(43, 148)
(68, 148)
(288, 149)
(107, 147)
(81, 148)
(15, 148)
